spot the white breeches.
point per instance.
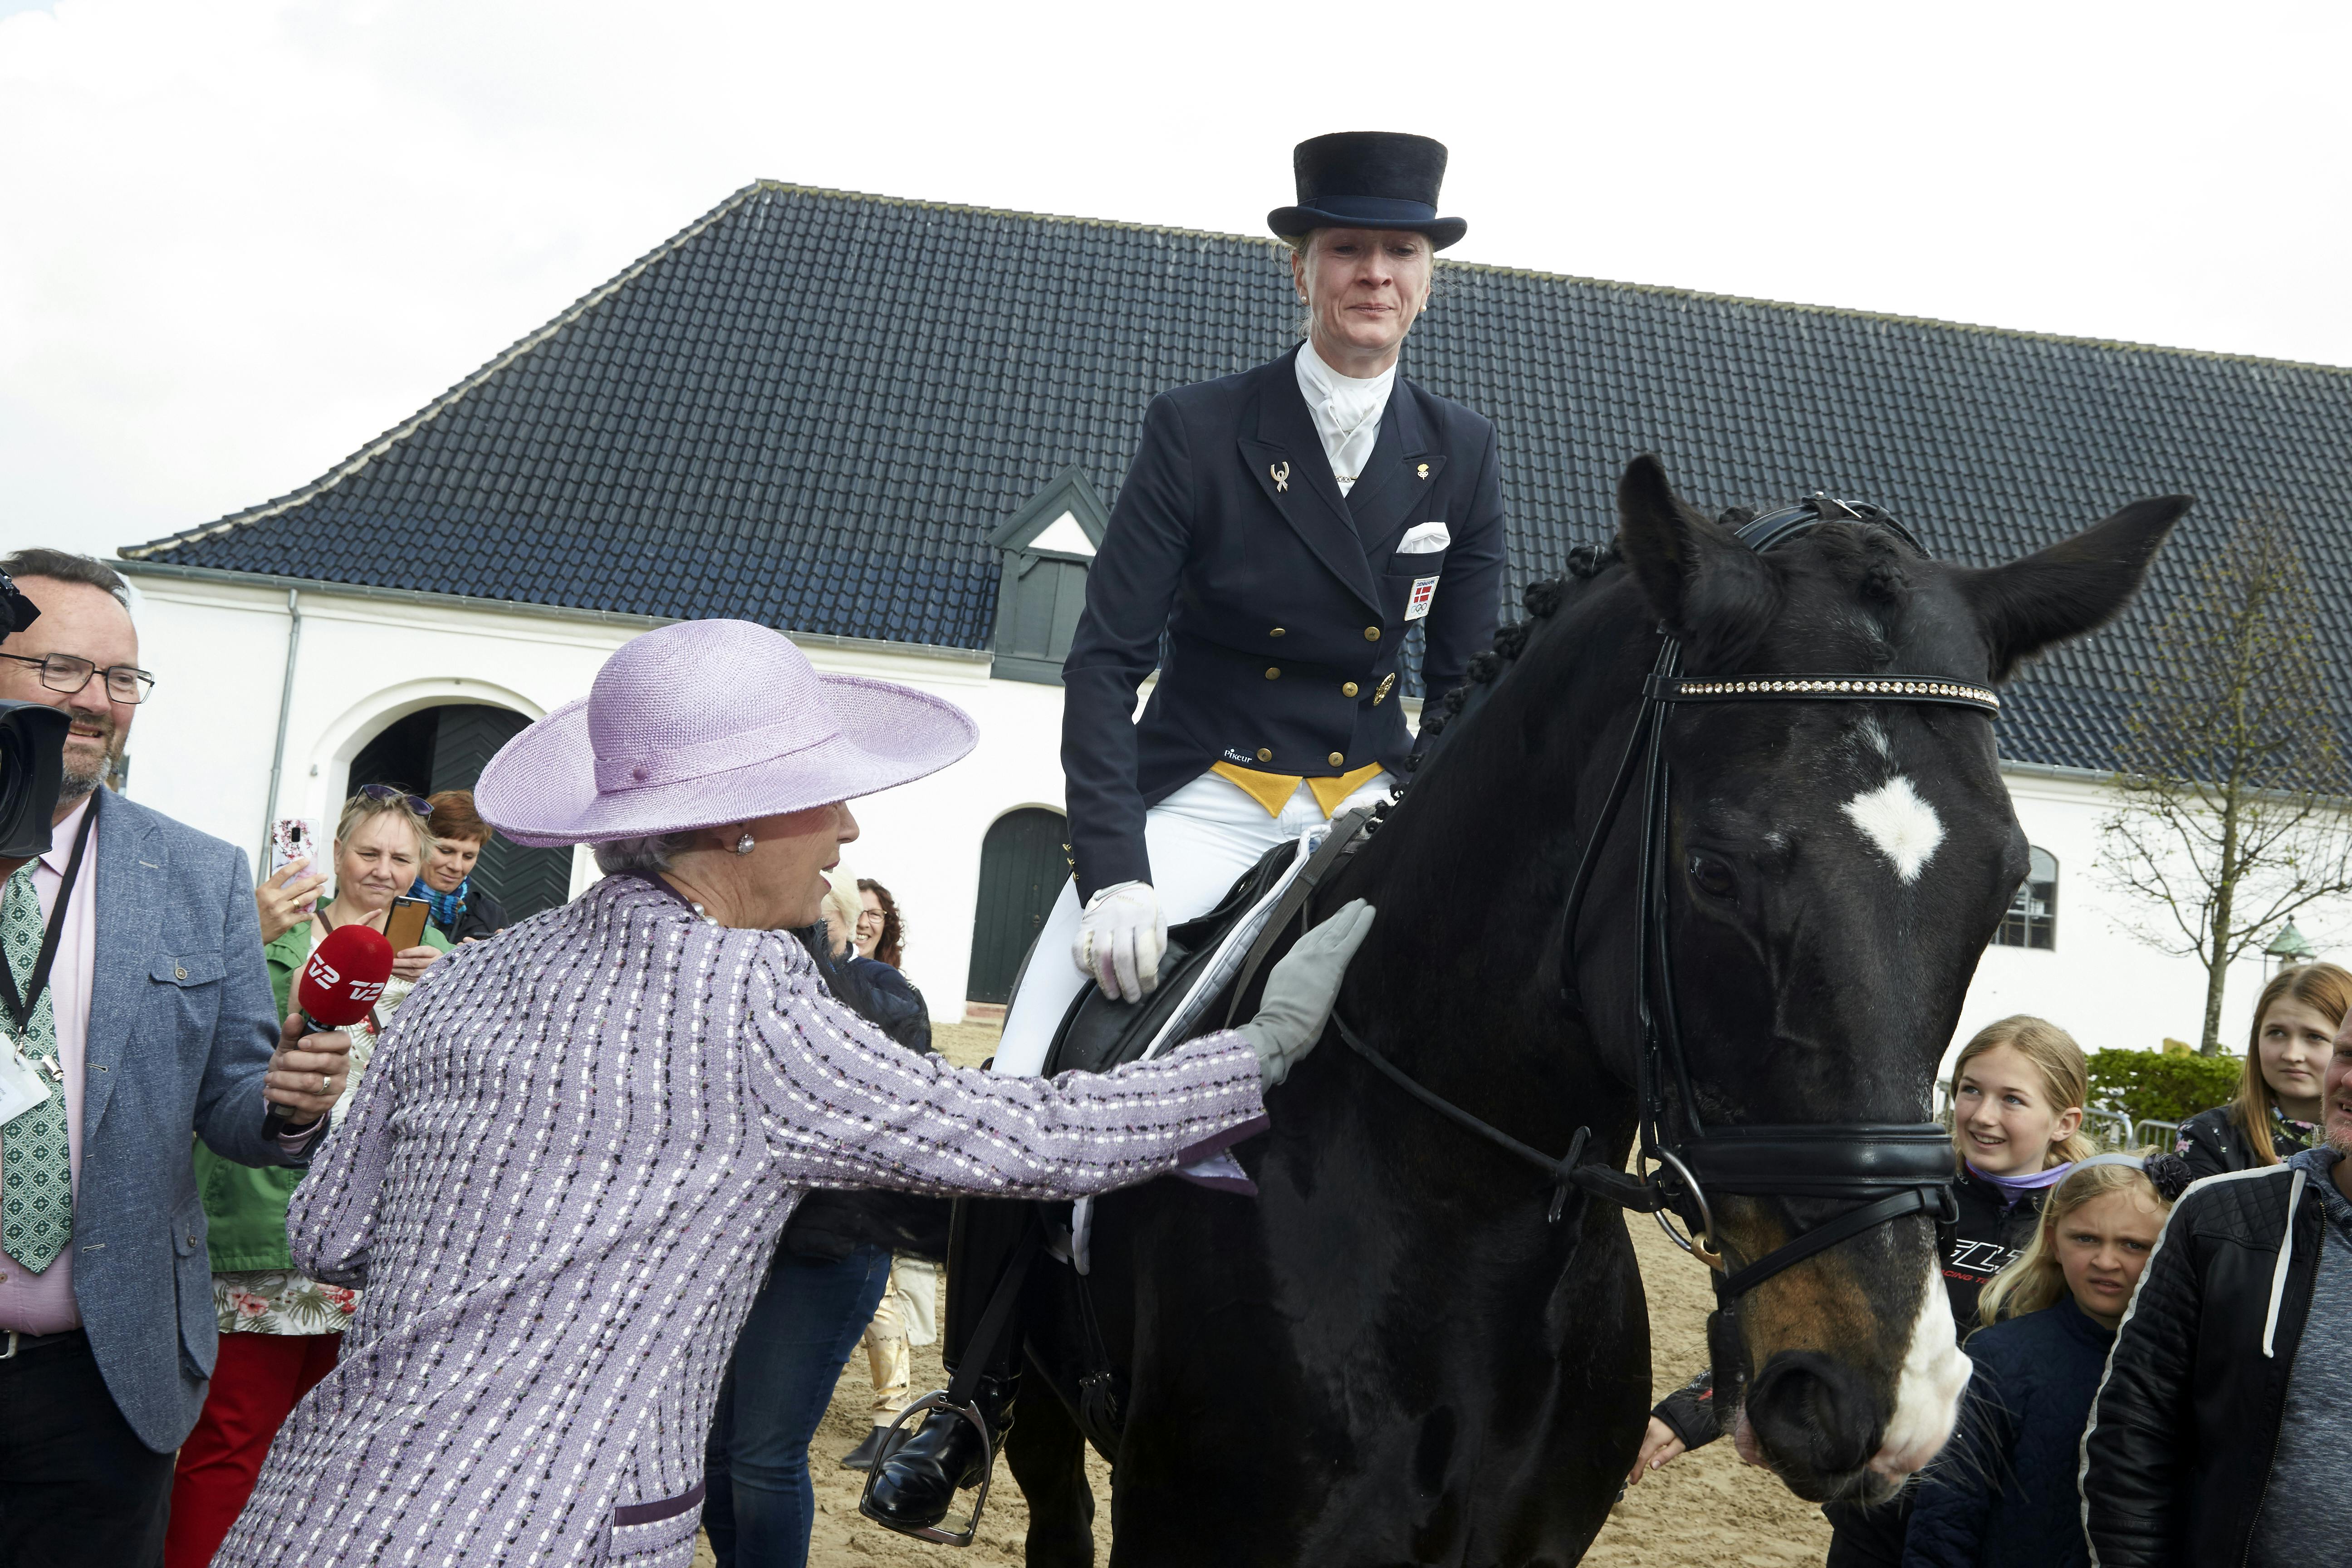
(1199, 839)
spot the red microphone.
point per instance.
(339, 986)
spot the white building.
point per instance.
(888, 428)
(368, 658)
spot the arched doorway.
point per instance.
(447, 747)
(1024, 861)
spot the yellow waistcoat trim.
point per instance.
(1273, 790)
(1329, 793)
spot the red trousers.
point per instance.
(256, 1384)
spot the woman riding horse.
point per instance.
(1279, 533)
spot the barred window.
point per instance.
(2032, 917)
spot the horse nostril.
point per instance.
(1815, 1416)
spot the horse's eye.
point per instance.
(1712, 876)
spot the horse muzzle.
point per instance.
(1816, 1421)
(1829, 1430)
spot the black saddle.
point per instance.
(1099, 1033)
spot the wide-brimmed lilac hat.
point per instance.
(708, 722)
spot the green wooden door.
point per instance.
(524, 881)
(1023, 866)
(448, 747)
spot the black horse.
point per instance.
(1392, 1354)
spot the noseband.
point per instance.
(1889, 1171)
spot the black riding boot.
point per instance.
(914, 1485)
(918, 1482)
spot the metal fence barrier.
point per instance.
(2110, 1129)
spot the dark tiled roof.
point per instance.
(811, 407)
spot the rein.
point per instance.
(1891, 1170)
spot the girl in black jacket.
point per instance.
(2277, 1110)
(2002, 1492)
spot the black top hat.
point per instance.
(1369, 179)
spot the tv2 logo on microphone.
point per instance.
(326, 976)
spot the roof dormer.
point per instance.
(1047, 546)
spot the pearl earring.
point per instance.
(744, 845)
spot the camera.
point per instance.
(32, 771)
(32, 751)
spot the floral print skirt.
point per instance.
(280, 1301)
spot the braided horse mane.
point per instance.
(1541, 599)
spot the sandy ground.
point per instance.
(1706, 1509)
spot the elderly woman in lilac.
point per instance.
(564, 1174)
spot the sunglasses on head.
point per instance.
(417, 803)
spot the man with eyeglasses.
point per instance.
(133, 981)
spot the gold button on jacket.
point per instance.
(1263, 755)
(1371, 634)
(1275, 633)
(1273, 673)
(1337, 759)
(1348, 689)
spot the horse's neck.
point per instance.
(1470, 872)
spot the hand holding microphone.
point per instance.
(338, 987)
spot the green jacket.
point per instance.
(245, 1206)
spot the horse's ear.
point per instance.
(1710, 589)
(2074, 587)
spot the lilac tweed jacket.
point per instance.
(560, 1181)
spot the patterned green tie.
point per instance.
(36, 1160)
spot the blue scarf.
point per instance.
(448, 908)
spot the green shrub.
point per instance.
(2159, 1087)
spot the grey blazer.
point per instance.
(182, 1025)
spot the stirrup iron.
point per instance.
(897, 1433)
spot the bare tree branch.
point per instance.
(2231, 774)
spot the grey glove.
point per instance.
(1300, 989)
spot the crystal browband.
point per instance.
(1831, 687)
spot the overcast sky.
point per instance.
(240, 237)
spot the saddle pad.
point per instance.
(1099, 1033)
(1214, 948)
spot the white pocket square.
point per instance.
(1424, 539)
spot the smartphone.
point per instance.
(290, 840)
(404, 926)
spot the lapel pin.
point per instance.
(1281, 476)
(1423, 470)
(1386, 681)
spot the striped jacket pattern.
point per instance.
(560, 1183)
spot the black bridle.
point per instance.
(1889, 1171)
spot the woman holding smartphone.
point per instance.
(279, 1331)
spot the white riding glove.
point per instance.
(1299, 991)
(1120, 939)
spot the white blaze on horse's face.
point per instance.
(1905, 827)
(1927, 1393)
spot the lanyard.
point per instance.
(20, 1006)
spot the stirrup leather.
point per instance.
(897, 1433)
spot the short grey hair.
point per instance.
(65, 566)
(645, 855)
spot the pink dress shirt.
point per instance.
(43, 1303)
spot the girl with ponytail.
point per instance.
(2004, 1490)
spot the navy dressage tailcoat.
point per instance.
(1283, 603)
